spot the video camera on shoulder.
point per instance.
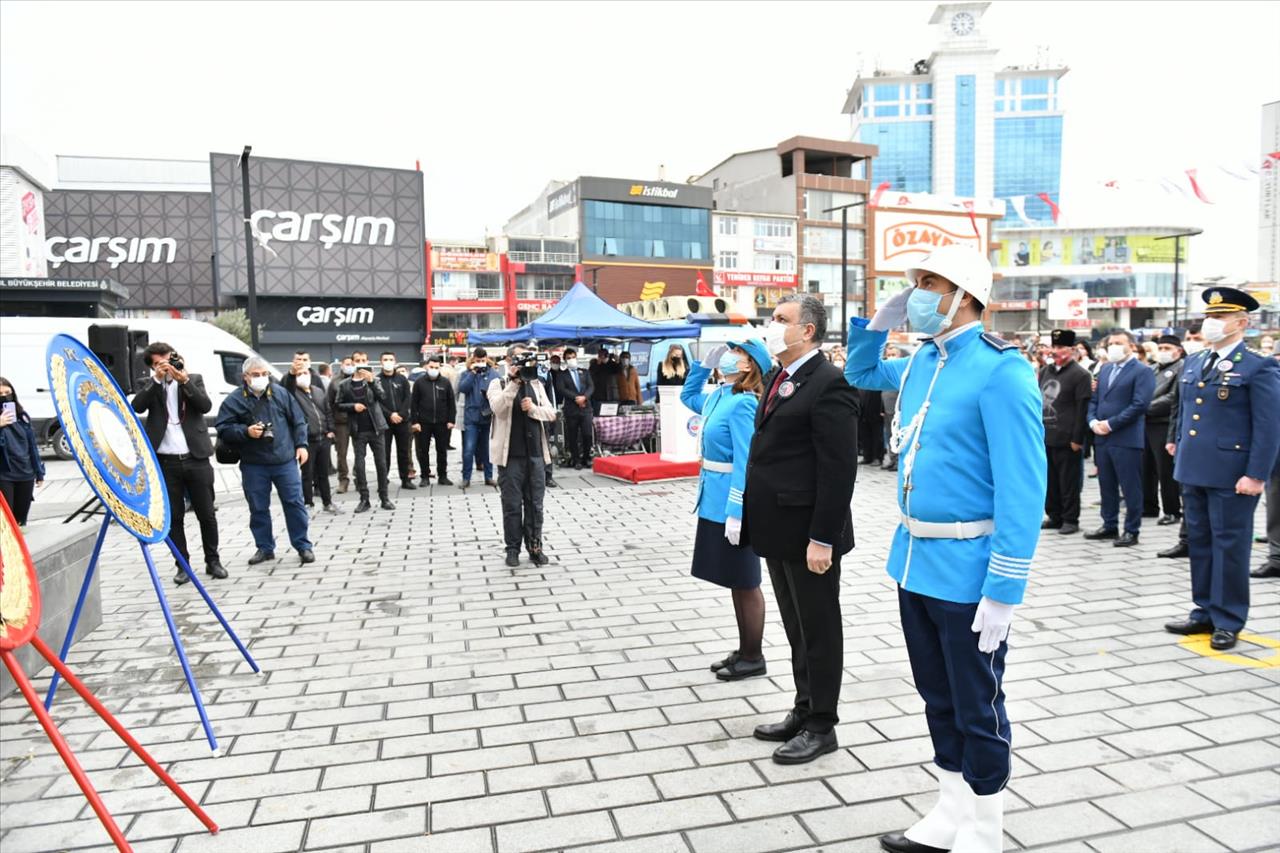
(528, 363)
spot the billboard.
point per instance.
(1086, 250)
(299, 320)
(320, 228)
(159, 245)
(903, 237)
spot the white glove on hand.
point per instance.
(892, 314)
(712, 359)
(733, 530)
(991, 623)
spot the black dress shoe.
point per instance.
(215, 570)
(493, 483)
(578, 466)
(1166, 520)
(307, 556)
(408, 485)
(444, 481)
(897, 842)
(552, 484)
(422, 481)
(1266, 572)
(721, 664)
(1102, 533)
(1188, 627)
(1126, 540)
(892, 466)
(363, 506)
(805, 747)
(181, 577)
(387, 504)
(783, 731)
(1050, 524)
(1222, 639)
(742, 668)
(1068, 529)
(539, 558)
(261, 556)
(1177, 552)
(513, 559)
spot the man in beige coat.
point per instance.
(518, 446)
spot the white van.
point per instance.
(216, 355)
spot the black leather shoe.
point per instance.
(1102, 533)
(261, 556)
(408, 485)
(1166, 520)
(444, 481)
(805, 747)
(1049, 524)
(181, 577)
(493, 483)
(1266, 572)
(539, 558)
(307, 556)
(742, 668)
(552, 484)
(1222, 640)
(422, 481)
(728, 661)
(1068, 529)
(578, 466)
(215, 570)
(897, 842)
(783, 731)
(363, 506)
(1126, 540)
(332, 509)
(513, 559)
(1188, 627)
(387, 504)
(1177, 552)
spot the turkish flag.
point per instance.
(1195, 186)
(875, 199)
(1053, 208)
(702, 288)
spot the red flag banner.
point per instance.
(1195, 186)
(702, 288)
(968, 205)
(1053, 208)
(875, 199)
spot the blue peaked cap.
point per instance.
(759, 353)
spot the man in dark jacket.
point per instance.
(308, 392)
(361, 398)
(434, 412)
(800, 476)
(262, 421)
(341, 432)
(473, 384)
(577, 390)
(175, 404)
(397, 401)
(1065, 388)
(1158, 486)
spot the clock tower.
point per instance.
(963, 68)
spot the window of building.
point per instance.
(1028, 161)
(924, 109)
(924, 91)
(493, 320)
(774, 228)
(1035, 86)
(886, 92)
(906, 154)
(645, 230)
(999, 88)
(727, 260)
(543, 285)
(825, 243)
(887, 110)
(817, 201)
(728, 225)
(1035, 104)
(774, 262)
(966, 122)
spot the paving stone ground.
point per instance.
(418, 695)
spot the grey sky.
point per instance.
(497, 98)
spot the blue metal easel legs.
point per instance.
(75, 614)
(186, 567)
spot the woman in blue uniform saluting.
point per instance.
(728, 423)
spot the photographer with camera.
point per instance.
(175, 404)
(361, 398)
(263, 423)
(474, 384)
(520, 408)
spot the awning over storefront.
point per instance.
(580, 315)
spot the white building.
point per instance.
(755, 258)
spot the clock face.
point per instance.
(962, 23)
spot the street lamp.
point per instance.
(844, 263)
(1177, 259)
(252, 308)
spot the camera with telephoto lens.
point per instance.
(527, 363)
(267, 431)
(176, 362)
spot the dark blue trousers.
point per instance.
(257, 481)
(1120, 473)
(1219, 537)
(960, 686)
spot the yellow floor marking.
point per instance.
(1199, 643)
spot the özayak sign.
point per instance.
(903, 237)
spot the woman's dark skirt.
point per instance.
(715, 560)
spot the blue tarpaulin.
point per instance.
(580, 315)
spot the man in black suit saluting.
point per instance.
(796, 515)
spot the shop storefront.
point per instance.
(61, 297)
(331, 328)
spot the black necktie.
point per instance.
(1208, 365)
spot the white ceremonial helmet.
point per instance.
(960, 264)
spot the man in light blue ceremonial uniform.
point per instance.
(971, 484)
(1226, 439)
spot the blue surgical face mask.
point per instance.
(729, 364)
(922, 311)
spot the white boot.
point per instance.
(954, 808)
(983, 832)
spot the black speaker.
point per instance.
(120, 349)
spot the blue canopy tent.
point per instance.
(580, 315)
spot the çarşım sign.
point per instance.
(130, 250)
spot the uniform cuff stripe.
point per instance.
(997, 572)
(1005, 561)
(995, 555)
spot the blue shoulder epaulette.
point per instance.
(997, 342)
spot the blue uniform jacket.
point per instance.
(981, 456)
(728, 423)
(1228, 425)
(241, 409)
(1122, 399)
(472, 385)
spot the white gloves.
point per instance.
(712, 359)
(892, 314)
(991, 623)
(733, 530)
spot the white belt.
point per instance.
(717, 467)
(949, 529)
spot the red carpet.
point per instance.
(640, 467)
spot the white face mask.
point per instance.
(348, 369)
(304, 380)
(775, 337)
(432, 373)
(1213, 329)
(1047, 359)
(1192, 347)
(572, 364)
(1165, 357)
(1117, 352)
(388, 367)
(259, 383)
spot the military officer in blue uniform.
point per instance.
(971, 484)
(728, 424)
(1225, 444)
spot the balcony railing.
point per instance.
(540, 294)
(567, 258)
(464, 295)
